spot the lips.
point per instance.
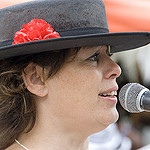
(109, 93)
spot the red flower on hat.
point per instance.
(36, 29)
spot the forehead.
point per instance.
(91, 50)
(84, 52)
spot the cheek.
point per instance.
(74, 96)
(82, 85)
(76, 90)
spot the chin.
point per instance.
(107, 119)
(110, 118)
(114, 116)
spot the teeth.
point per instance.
(112, 93)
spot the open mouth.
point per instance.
(109, 94)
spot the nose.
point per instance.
(113, 70)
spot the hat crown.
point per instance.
(79, 23)
(61, 14)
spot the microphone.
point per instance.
(135, 98)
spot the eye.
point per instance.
(94, 57)
(110, 54)
(108, 51)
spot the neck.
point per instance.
(50, 135)
(48, 140)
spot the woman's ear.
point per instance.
(34, 80)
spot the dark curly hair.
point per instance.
(17, 104)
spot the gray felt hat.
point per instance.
(79, 23)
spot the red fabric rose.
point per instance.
(37, 29)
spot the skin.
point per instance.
(69, 107)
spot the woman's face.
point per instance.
(82, 93)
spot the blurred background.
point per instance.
(127, 16)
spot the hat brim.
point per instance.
(118, 41)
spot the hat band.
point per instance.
(65, 33)
(83, 31)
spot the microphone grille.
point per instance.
(128, 97)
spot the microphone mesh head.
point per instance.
(128, 96)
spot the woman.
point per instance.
(58, 87)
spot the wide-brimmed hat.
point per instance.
(78, 22)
